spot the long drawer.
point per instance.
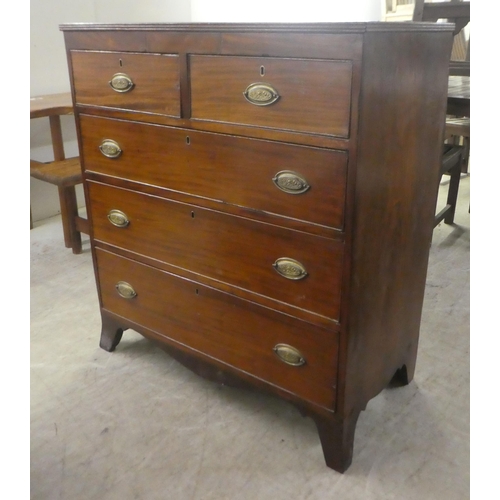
(300, 182)
(138, 82)
(270, 346)
(301, 95)
(298, 269)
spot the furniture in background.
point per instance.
(262, 199)
(457, 129)
(455, 150)
(457, 126)
(454, 11)
(451, 165)
(65, 173)
(399, 10)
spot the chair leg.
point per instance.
(465, 143)
(69, 212)
(465, 161)
(455, 174)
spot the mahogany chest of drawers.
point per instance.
(261, 199)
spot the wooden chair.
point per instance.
(454, 11)
(65, 173)
(457, 127)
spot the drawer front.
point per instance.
(137, 82)
(294, 181)
(311, 96)
(292, 267)
(223, 327)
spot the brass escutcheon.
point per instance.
(289, 355)
(261, 94)
(110, 148)
(125, 290)
(291, 182)
(120, 82)
(290, 268)
(118, 218)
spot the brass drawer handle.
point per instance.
(289, 355)
(110, 148)
(120, 82)
(290, 268)
(118, 218)
(261, 94)
(290, 182)
(125, 290)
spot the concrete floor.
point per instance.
(135, 424)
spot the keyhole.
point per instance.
(192, 215)
(188, 140)
(197, 291)
(262, 71)
(121, 62)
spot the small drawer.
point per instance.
(282, 351)
(273, 263)
(300, 95)
(129, 81)
(299, 182)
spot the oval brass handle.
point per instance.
(120, 82)
(290, 182)
(110, 148)
(289, 355)
(261, 94)
(118, 218)
(125, 290)
(290, 268)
